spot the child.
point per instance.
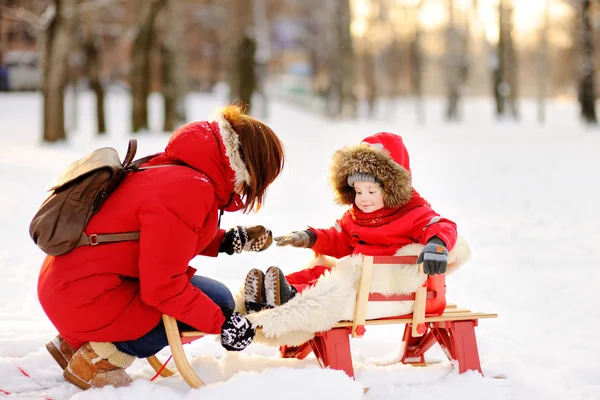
(386, 214)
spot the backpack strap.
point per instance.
(135, 165)
(131, 150)
(95, 239)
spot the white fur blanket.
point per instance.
(332, 298)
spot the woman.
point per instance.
(106, 301)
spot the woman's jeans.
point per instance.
(155, 340)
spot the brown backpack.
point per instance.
(78, 193)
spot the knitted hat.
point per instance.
(360, 177)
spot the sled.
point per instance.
(432, 321)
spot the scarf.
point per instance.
(385, 215)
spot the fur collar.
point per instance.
(231, 141)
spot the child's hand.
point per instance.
(297, 239)
(434, 257)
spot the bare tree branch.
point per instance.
(39, 22)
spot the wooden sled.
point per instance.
(432, 321)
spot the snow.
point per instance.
(524, 195)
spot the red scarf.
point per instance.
(384, 215)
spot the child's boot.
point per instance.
(98, 364)
(255, 290)
(277, 289)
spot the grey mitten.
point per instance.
(241, 238)
(434, 257)
(303, 239)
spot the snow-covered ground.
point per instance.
(525, 196)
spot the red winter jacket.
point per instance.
(117, 292)
(416, 226)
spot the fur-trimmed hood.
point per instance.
(383, 156)
(212, 148)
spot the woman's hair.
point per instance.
(262, 152)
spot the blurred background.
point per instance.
(342, 59)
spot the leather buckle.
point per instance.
(93, 239)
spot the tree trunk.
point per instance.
(214, 63)
(93, 65)
(58, 41)
(417, 65)
(370, 77)
(242, 76)
(140, 72)
(173, 66)
(543, 66)
(505, 71)
(341, 99)
(587, 88)
(453, 66)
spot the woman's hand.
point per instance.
(237, 332)
(242, 238)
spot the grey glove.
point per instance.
(302, 239)
(434, 257)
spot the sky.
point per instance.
(522, 194)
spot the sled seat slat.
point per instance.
(447, 316)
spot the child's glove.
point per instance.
(241, 238)
(303, 239)
(237, 332)
(434, 257)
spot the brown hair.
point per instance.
(262, 152)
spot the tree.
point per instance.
(341, 99)
(587, 69)
(542, 72)
(140, 71)
(173, 58)
(242, 74)
(505, 69)
(59, 37)
(93, 66)
(456, 63)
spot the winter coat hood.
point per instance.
(212, 148)
(383, 156)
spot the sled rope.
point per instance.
(7, 393)
(161, 369)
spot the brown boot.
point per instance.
(60, 350)
(97, 365)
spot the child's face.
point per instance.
(369, 196)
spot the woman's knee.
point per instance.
(215, 290)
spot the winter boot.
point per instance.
(255, 290)
(277, 289)
(98, 364)
(60, 350)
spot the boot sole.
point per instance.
(56, 354)
(69, 377)
(273, 275)
(259, 286)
